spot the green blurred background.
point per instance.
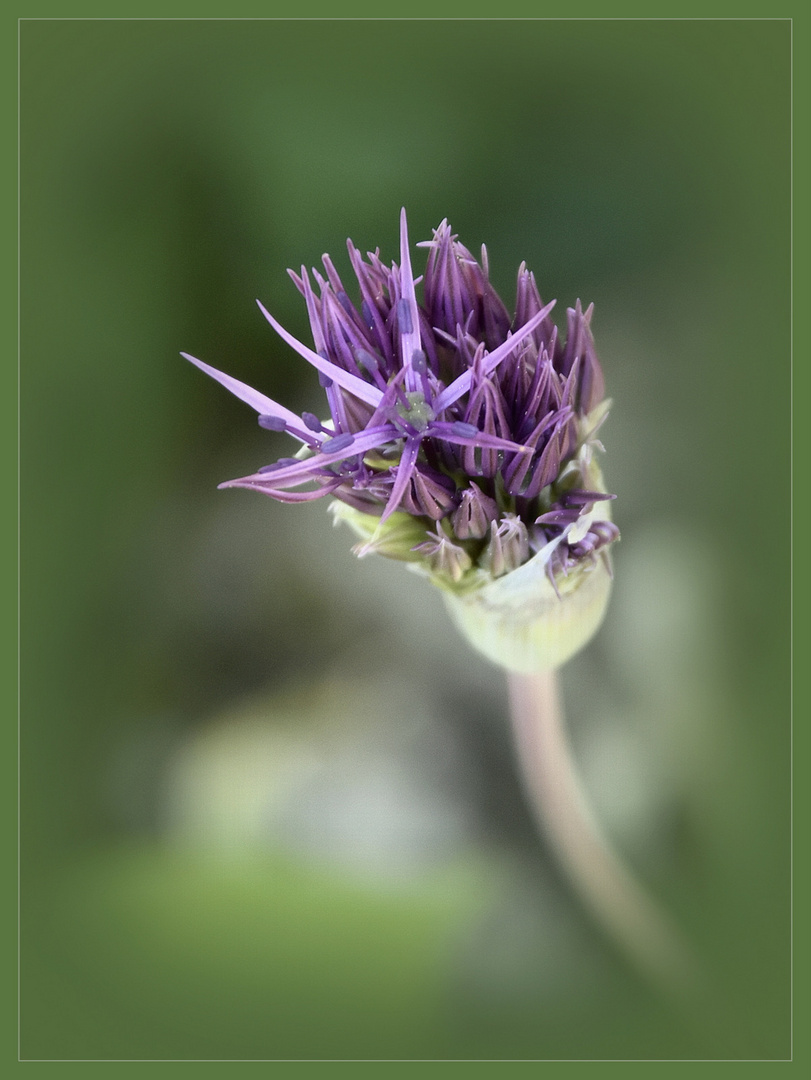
(268, 804)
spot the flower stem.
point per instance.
(615, 900)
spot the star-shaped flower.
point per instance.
(458, 438)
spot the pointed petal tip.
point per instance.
(215, 373)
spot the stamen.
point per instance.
(419, 361)
(272, 423)
(340, 442)
(370, 362)
(465, 431)
(404, 317)
(312, 421)
(282, 463)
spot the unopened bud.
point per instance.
(476, 510)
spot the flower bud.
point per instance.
(476, 510)
(445, 558)
(508, 547)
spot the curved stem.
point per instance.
(616, 901)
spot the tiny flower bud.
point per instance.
(443, 556)
(509, 545)
(476, 510)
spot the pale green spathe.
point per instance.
(520, 623)
(517, 620)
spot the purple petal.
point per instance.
(405, 469)
(313, 309)
(547, 468)
(409, 319)
(265, 406)
(309, 469)
(451, 433)
(363, 390)
(286, 496)
(461, 385)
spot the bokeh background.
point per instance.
(269, 809)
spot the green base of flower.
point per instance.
(520, 623)
(520, 620)
(395, 538)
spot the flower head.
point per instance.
(458, 438)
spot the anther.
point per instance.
(419, 361)
(311, 421)
(340, 442)
(367, 360)
(404, 317)
(465, 431)
(282, 463)
(272, 423)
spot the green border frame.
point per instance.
(801, 442)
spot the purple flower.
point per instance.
(478, 427)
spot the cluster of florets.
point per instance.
(457, 436)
